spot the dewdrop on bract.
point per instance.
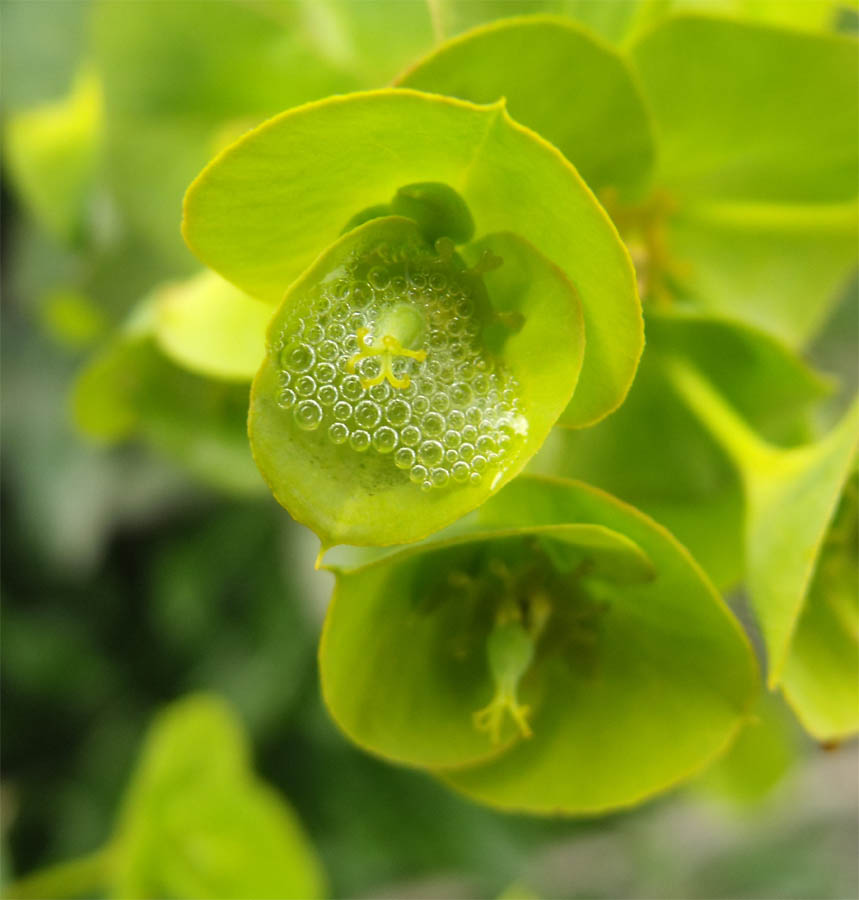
(385, 380)
(385, 356)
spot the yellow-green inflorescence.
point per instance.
(386, 355)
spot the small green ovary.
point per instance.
(385, 355)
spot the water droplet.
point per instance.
(305, 386)
(404, 458)
(452, 439)
(430, 453)
(368, 414)
(385, 439)
(297, 357)
(398, 412)
(308, 415)
(351, 387)
(456, 420)
(327, 394)
(460, 472)
(410, 435)
(433, 424)
(325, 372)
(338, 433)
(360, 440)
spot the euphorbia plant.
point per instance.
(424, 286)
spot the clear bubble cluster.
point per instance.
(453, 417)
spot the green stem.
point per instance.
(749, 453)
(86, 876)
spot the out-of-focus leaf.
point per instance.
(261, 212)
(131, 389)
(210, 327)
(791, 498)
(685, 481)
(175, 78)
(780, 267)
(196, 822)
(754, 113)
(764, 753)
(537, 62)
(52, 153)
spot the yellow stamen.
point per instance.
(491, 717)
(390, 347)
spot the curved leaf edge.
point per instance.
(500, 107)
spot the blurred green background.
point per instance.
(128, 583)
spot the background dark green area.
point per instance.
(126, 585)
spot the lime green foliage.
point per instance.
(639, 676)
(261, 212)
(378, 418)
(131, 389)
(800, 486)
(686, 482)
(534, 62)
(52, 152)
(169, 101)
(761, 758)
(757, 132)
(207, 326)
(195, 822)
(72, 318)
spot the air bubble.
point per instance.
(479, 463)
(368, 414)
(475, 478)
(404, 458)
(433, 425)
(452, 439)
(351, 387)
(439, 477)
(460, 394)
(342, 410)
(430, 453)
(418, 474)
(297, 357)
(380, 392)
(338, 433)
(305, 386)
(410, 435)
(450, 457)
(288, 398)
(460, 472)
(420, 405)
(328, 350)
(466, 451)
(456, 421)
(385, 439)
(308, 415)
(485, 445)
(359, 440)
(327, 394)
(398, 412)
(315, 334)
(440, 402)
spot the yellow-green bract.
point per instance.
(640, 674)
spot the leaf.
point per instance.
(366, 458)
(791, 498)
(196, 822)
(540, 64)
(635, 683)
(416, 707)
(52, 153)
(778, 266)
(131, 390)
(686, 483)
(764, 753)
(174, 83)
(261, 212)
(820, 672)
(206, 325)
(755, 113)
